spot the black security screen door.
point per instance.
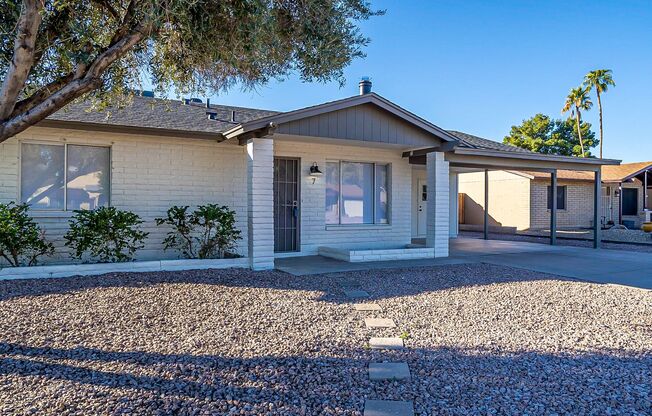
(286, 205)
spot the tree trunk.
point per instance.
(600, 113)
(23, 56)
(579, 130)
(84, 83)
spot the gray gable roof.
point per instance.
(475, 142)
(156, 113)
(175, 116)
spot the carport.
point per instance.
(474, 154)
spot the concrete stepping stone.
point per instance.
(386, 343)
(388, 408)
(379, 323)
(355, 294)
(388, 371)
(367, 307)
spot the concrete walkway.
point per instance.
(602, 266)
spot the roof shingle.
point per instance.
(159, 113)
(475, 142)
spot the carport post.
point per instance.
(486, 204)
(597, 199)
(553, 208)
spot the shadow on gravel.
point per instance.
(445, 381)
(381, 283)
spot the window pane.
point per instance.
(332, 193)
(382, 195)
(41, 175)
(357, 193)
(88, 177)
(561, 197)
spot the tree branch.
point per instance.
(109, 8)
(91, 80)
(41, 94)
(23, 56)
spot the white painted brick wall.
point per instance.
(260, 190)
(314, 232)
(149, 174)
(438, 220)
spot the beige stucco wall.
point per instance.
(148, 175)
(509, 201)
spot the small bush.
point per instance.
(22, 241)
(209, 232)
(106, 234)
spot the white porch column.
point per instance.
(438, 219)
(260, 203)
(454, 208)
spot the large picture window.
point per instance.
(64, 176)
(357, 193)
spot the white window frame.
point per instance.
(389, 199)
(65, 172)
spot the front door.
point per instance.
(422, 206)
(286, 205)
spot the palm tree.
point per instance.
(600, 79)
(578, 99)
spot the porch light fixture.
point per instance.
(314, 170)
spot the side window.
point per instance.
(561, 197)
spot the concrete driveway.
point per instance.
(602, 266)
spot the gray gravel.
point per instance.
(482, 339)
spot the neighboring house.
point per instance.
(389, 175)
(522, 199)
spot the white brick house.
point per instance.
(389, 177)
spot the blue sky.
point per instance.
(483, 66)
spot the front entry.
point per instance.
(286, 205)
(422, 206)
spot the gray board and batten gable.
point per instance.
(366, 118)
(364, 122)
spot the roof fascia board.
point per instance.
(535, 156)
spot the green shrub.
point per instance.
(22, 241)
(209, 232)
(106, 234)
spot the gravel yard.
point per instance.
(481, 339)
